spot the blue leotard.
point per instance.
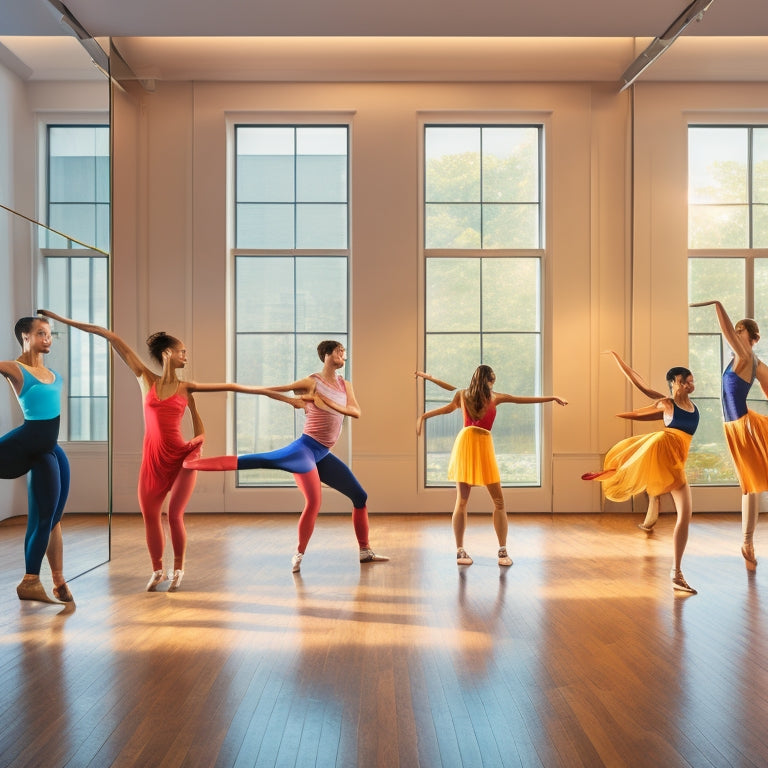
(735, 391)
(685, 421)
(32, 449)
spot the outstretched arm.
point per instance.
(129, 357)
(648, 413)
(635, 378)
(500, 398)
(229, 386)
(10, 369)
(448, 408)
(427, 377)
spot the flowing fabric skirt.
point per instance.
(654, 463)
(473, 459)
(747, 439)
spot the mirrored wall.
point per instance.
(55, 234)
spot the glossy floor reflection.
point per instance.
(580, 654)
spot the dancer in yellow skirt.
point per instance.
(655, 462)
(745, 430)
(473, 460)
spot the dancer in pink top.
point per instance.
(328, 398)
(473, 460)
(166, 397)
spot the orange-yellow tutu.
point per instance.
(654, 463)
(747, 440)
(473, 459)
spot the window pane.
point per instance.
(452, 226)
(761, 306)
(264, 294)
(760, 226)
(78, 220)
(453, 295)
(708, 279)
(510, 165)
(452, 157)
(321, 295)
(718, 226)
(718, 165)
(264, 226)
(511, 290)
(321, 164)
(760, 165)
(263, 179)
(706, 363)
(321, 226)
(511, 226)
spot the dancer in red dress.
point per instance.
(166, 397)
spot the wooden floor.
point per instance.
(578, 655)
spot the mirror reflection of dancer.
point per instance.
(32, 449)
(166, 397)
(655, 462)
(473, 461)
(327, 398)
(745, 430)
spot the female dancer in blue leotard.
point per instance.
(745, 430)
(32, 449)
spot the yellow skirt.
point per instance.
(654, 463)
(747, 440)
(473, 460)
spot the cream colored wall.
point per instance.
(172, 271)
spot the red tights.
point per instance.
(309, 485)
(151, 503)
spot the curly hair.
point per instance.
(158, 343)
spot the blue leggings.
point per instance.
(32, 450)
(304, 455)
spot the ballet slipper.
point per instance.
(62, 594)
(29, 589)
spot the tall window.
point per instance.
(291, 272)
(483, 246)
(75, 268)
(728, 260)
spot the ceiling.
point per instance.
(362, 40)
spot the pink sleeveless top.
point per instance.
(325, 426)
(485, 421)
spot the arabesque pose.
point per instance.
(32, 449)
(166, 397)
(655, 462)
(746, 431)
(327, 398)
(473, 461)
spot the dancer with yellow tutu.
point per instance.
(746, 431)
(473, 460)
(655, 462)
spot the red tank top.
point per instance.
(485, 421)
(325, 426)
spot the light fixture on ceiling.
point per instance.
(694, 12)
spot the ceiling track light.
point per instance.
(694, 12)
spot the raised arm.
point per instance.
(742, 349)
(448, 408)
(427, 377)
(128, 355)
(635, 378)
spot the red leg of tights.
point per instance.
(309, 485)
(177, 505)
(151, 510)
(360, 523)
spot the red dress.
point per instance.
(164, 445)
